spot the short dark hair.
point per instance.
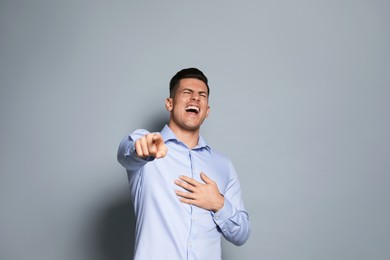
(192, 73)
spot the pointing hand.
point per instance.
(151, 145)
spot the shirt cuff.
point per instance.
(224, 213)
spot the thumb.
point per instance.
(162, 150)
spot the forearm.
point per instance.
(234, 224)
(127, 156)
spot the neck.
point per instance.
(188, 137)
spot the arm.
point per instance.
(227, 210)
(140, 147)
(232, 218)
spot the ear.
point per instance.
(208, 111)
(169, 104)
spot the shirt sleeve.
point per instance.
(233, 219)
(127, 156)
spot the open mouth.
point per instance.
(192, 109)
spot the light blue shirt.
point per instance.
(167, 229)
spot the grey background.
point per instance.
(299, 98)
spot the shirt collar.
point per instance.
(168, 135)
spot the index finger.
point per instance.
(189, 180)
(157, 138)
(161, 150)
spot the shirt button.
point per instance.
(193, 219)
(216, 218)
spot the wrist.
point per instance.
(219, 204)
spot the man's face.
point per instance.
(189, 107)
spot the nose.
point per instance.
(195, 96)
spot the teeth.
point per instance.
(192, 108)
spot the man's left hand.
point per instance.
(204, 195)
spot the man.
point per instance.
(185, 194)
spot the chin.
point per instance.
(191, 127)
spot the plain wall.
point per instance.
(300, 101)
